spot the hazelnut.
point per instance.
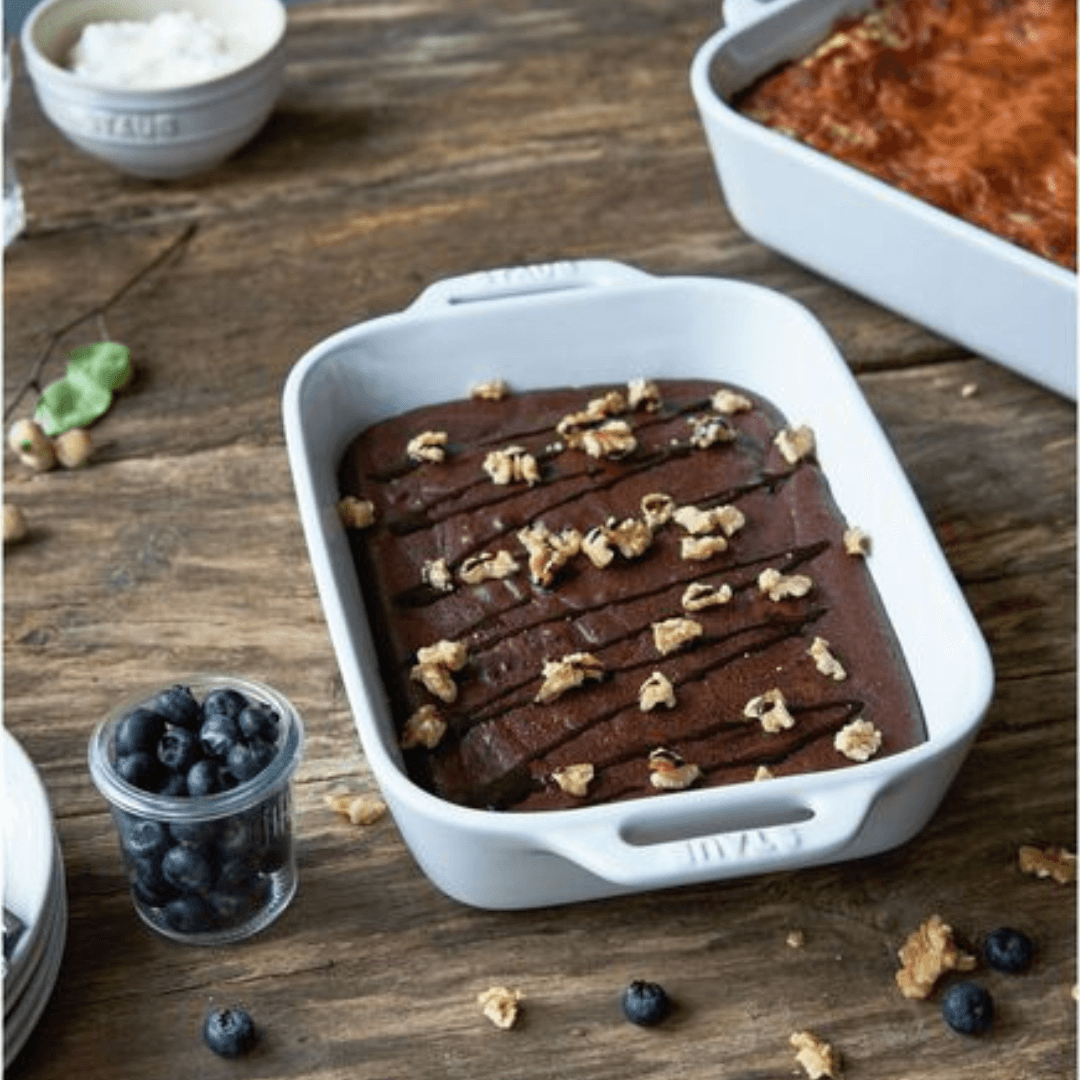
(32, 445)
(15, 527)
(73, 448)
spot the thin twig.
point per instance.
(96, 312)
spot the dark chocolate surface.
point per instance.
(502, 746)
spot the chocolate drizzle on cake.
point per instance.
(506, 744)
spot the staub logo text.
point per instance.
(133, 127)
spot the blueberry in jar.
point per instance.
(187, 868)
(258, 722)
(246, 760)
(218, 734)
(175, 786)
(179, 707)
(139, 730)
(225, 702)
(141, 769)
(645, 1003)
(1008, 950)
(143, 838)
(195, 834)
(968, 1008)
(179, 749)
(229, 1032)
(188, 914)
(204, 778)
(149, 884)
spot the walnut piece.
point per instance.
(612, 439)
(926, 955)
(643, 394)
(859, 740)
(697, 522)
(670, 771)
(424, 728)
(548, 552)
(596, 545)
(512, 464)
(572, 427)
(824, 660)
(763, 772)
(501, 1006)
(566, 674)
(856, 541)
(360, 809)
(574, 779)
(433, 667)
(701, 548)
(657, 509)
(771, 709)
(490, 390)
(779, 586)
(436, 574)
(815, 1055)
(656, 690)
(356, 513)
(697, 596)
(488, 566)
(795, 443)
(428, 446)
(672, 634)
(1053, 862)
(706, 431)
(728, 402)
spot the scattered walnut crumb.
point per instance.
(657, 509)
(763, 772)
(771, 709)
(433, 667)
(824, 660)
(859, 740)
(729, 402)
(672, 634)
(574, 779)
(706, 431)
(548, 552)
(697, 596)
(926, 955)
(612, 439)
(856, 541)
(356, 513)
(795, 939)
(816, 1056)
(795, 443)
(436, 574)
(643, 394)
(424, 728)
(488, 566)
(491, 390)
(570, 672)
(512, 464)
(360, 809)
(779, 586)
(701, 548)
(429, 446)
(1054, 862)
(501, 1006)
(670, 771)
(656, 690)
(969, 390)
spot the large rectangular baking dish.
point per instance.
(991, 296)
(585, 322)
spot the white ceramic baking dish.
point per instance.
(960, 281)
(585, 322)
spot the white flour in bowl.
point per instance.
(174, 48)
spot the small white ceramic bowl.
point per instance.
(159, 134)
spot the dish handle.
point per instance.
(512, 281)
(678, 851)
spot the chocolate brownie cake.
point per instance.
(967, 104)
(594, 594)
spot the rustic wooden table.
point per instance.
(414, 142)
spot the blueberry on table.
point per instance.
(139, 730)
(188, 869)
(179, 707)
(141, 769)
(219, 734)
(179, 749)
(224, 703)
(229, 1032)
(968, 1008)
(1008, 950)
(204, 778)
(258, 722)
(246, 760)
(645, 1003)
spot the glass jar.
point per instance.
(215, 865)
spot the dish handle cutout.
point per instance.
(682, 847)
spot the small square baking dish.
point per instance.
(594, 321)
(958, 280)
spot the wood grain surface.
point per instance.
(415, 141)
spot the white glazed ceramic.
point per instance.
(960, 281)
(595, 321)
(160, 134)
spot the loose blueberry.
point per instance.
(179, 749)
(246, 760)
(229, 1032)
(139, 730)
(204, 778)
(645, 1003)
(188, 914)
(141, 769)
(1008, 950)
(178, 706)
(188, 869)
(968, 1008)
(258, 722)
(224, 702)
(143, 838)
(219, 734)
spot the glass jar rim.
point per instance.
(221, 804)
